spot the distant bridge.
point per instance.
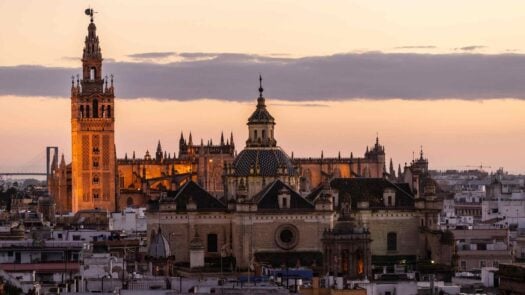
(51, 159)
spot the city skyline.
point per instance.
(475, 131)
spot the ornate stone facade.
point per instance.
(93, 132)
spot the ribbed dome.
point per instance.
(159, 246)
(270, 161)
(261, 114)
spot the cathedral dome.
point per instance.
(263, 162)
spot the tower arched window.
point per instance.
(81, 112)
(88, 112)
(108, 111)
(92, 73)
(255, 135)
(264, 134)
(103, 111)
(95, 108)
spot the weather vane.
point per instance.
(90, 12)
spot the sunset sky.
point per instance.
(446, 75)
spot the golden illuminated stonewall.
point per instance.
(93, 132)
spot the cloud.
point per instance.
(417, 47)
(234, 76)
(151, 55)
(306, 105)
(197, 55)
(471, 48)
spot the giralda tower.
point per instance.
(93, 131)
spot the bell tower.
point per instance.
(93, 131)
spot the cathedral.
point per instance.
(256, 206)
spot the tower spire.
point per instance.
(260, 100)
(261, 123)
(89, 12)
(261, 89)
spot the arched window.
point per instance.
(389, 200)
(255, 134)
(103, 111)
(264, 134)
(95, 108)
(88, 113)
(109, 112)
(81, 112)
(92, 73)
(212, 243)
(391, 241)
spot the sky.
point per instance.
(446, 75)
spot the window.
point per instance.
(88, 113)
(95, 179)
(95, 196)
(81, 112)
(95, 108)
(391, 241)
(95, 150)
(109, 112)
(482, 263)
(389, 200)
(60, 236)
(212, 243)
(463, 265)
(287, 236)
(255, 134)
(92, 73)
(264, 134)
(285, 202)
(95, 164)
(76, 237)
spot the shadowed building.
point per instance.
(347, 247)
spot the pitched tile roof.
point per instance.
(268, 198)
(204, 200)
(371, 190)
